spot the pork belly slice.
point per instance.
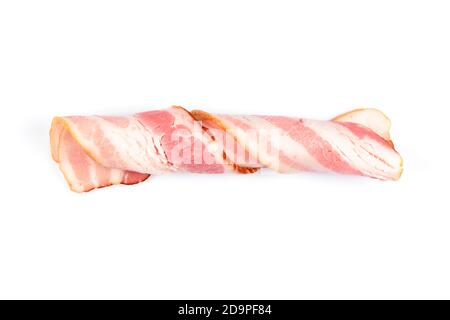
(98, 151)
(183, 142)
(81, 171)
(356, 142)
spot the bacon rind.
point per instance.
(371, 118)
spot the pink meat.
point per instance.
(98, 151)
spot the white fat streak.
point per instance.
(116, 176)
(183, 118)
(69, 173)
(252, 140)
(156, 155)
(133, 146)
(86, 143)
(351, 149)
(93, 174)
(293, 149)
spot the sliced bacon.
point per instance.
(83, 173)
(98, 151)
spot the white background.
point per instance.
(230, 236)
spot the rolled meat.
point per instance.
(99, 151)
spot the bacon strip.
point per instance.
(98, 151)
(81, 171)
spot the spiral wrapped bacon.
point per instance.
(98, 151)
